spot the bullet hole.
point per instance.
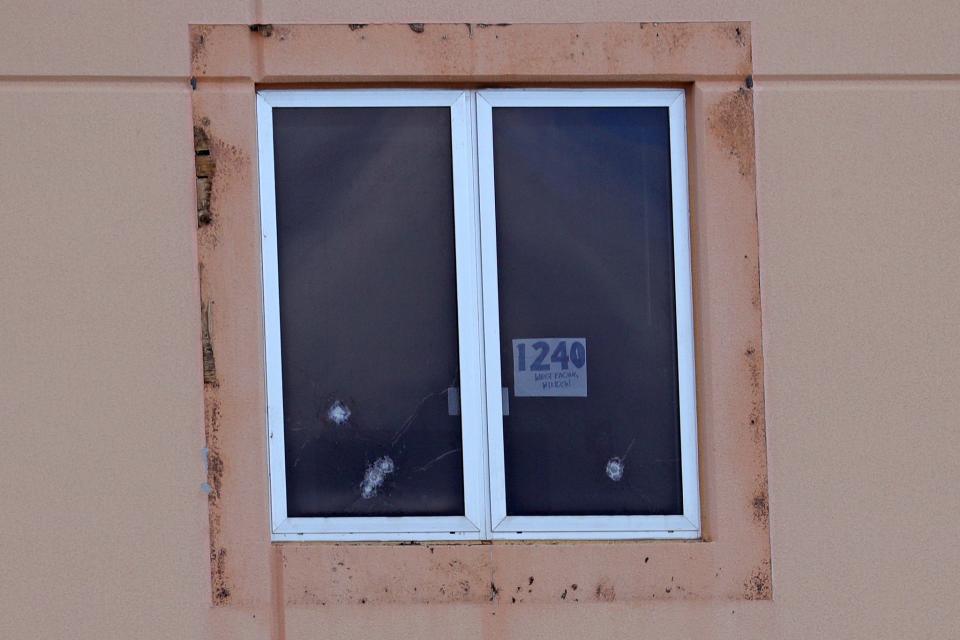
(375, 475)
(614, 469)
(338, 413)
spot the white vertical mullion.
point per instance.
(487, 527)
(271, 315)
(683, 282)
(468, 311)
(491, 314)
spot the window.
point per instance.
(478, 314)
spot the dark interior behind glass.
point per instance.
(585, 251)
(368, 311)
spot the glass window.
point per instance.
(586, 297)
(477, 312)
(368, 311)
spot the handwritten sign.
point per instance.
(552, 367)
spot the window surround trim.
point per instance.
(478, 325)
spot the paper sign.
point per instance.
(551, 367)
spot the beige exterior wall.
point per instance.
(104, 527)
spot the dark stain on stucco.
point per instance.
(758, 585)
(731, 123)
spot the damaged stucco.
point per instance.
(713, 61)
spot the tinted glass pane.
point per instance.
(587, 310)
(368, 311)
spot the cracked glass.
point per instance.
(368, 311)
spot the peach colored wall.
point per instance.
(104, 526)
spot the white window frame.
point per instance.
(479, 327)
(474, 523)
(687, 524)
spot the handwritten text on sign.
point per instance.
(550, 367)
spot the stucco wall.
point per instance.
(104, 527)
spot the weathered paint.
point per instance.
(633, 52)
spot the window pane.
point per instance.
(586, 282)
(368, 311)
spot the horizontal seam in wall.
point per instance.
(768, 78)
(93, 79)
(878, 77)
